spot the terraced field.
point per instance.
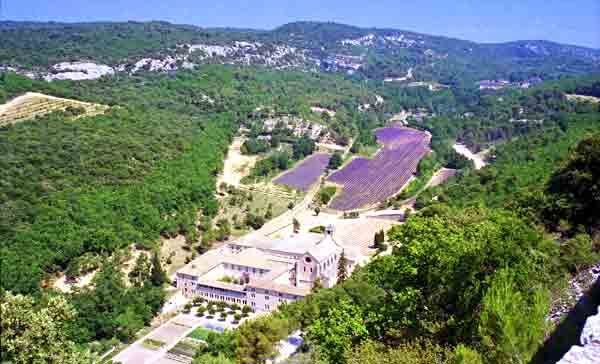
(32, 105)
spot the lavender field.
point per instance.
(369, 181)
(306, 173)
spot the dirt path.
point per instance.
(236, 165)
(440, 177)
(476, 158)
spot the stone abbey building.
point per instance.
(266, 272)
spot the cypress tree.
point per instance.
(158, 276)
(342, 272)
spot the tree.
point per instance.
(221, 344)
(342, 270)
(33, 332)
(335, 161)
(254, 221)
(512, 323)
(465, 355)
(224, 229)
(577, 253)
(128, 322)
(141, 270)
(335, 333)
(210, 359)
(574, 184)
(296, 224)
(379, 241)
(257, 339)
(462, 249)
(158, 275)
(317, 211)
(303, 147)
(412, 352)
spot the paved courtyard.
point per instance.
(169, 333)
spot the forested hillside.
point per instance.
(364, 52)
(142, 170)
(471, 275)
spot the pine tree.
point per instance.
(141, 271)
(158, 276)
(296, 225)
(342, 272)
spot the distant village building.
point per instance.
(493, 84)
(266, 273)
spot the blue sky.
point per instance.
(565, 21)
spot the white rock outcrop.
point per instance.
(78, 71)
(589, 353)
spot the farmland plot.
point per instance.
(33, 104)
(367, 182)
(303, 176)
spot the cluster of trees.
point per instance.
(61, 328)
(255, 146)
(281, 160)
(36, 328)
(277, 161)
(335, 162)
(325, 194)
(254, 341)
(110, 308)
(457, 285)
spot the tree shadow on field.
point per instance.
(569, 330)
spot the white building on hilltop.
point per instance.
(266, 272)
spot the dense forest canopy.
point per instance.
(142, 169)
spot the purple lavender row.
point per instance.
(303, 176)
(372, 186)
(369, 181)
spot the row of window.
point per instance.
(244, 269)
(223, 298)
